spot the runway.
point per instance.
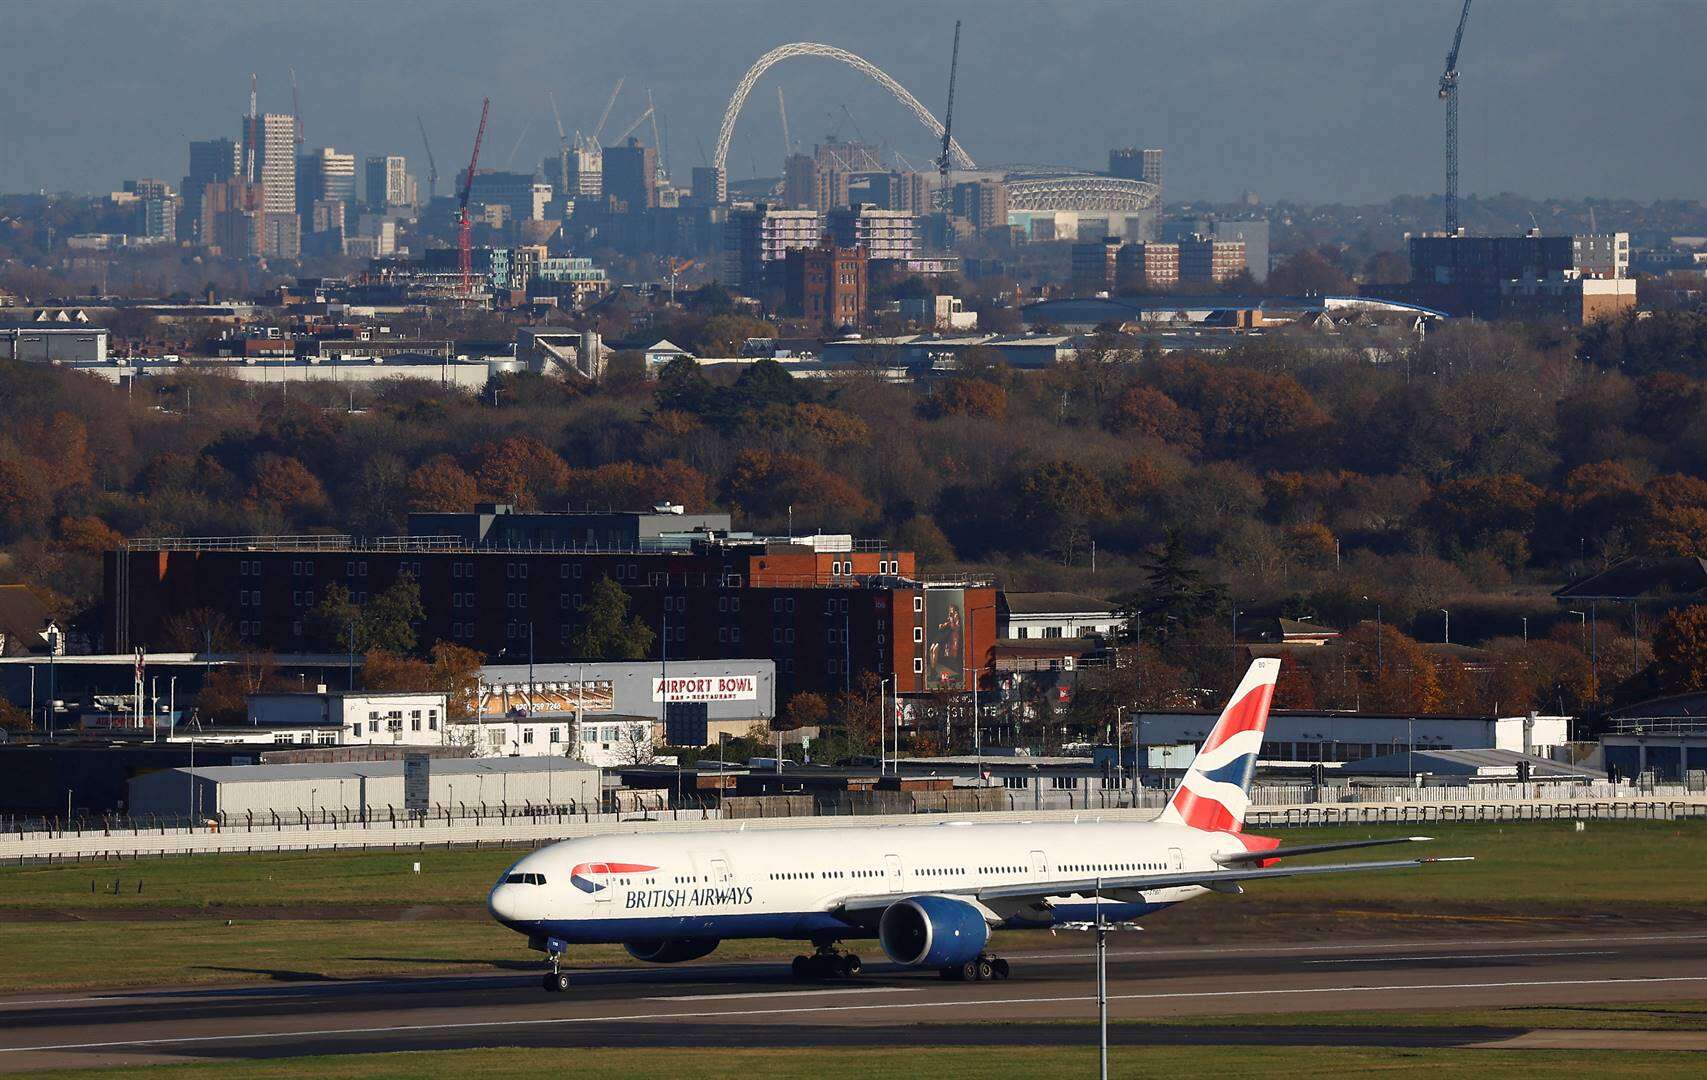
(758, 1004)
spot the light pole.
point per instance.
(882, 722)
(1446, 627)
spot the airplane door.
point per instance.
(892, 871)
(1039, 864)
(600, 875)
(1176, 860)
(720, 872)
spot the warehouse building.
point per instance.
(1335, 736)
(375, 789)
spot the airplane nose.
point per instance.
(504, 903)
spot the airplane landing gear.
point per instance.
(556, 980)
(985, 968)
(828, 962)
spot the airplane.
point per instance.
(929, 893)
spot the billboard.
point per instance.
(945, 639)
(706, 688)
(417, 773)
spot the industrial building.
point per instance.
(363, 789)
(1025, 615)
(1577, 278)
(40, 342)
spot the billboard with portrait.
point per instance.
(945, 639)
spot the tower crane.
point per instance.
(1449, 94)
(782, 110)
(295, 107)
(562, 148)
(943, 162)
(464, 244)
(432, 167)
(593, 139)
(632, 128)
(660, 171)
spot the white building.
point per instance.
(361, 718)
(1055, 615)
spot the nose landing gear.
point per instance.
(556, 980)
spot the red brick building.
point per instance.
(827, 284)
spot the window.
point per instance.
(918, 666)
(373, 727)
(527, 735)
(918, 603)
(1021, 632)
(415, 722)
(1063, 783)
(1014, 782)
(563, 571)
(356, 728)
(918, 633)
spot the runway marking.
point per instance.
(1458, 956)
(791, 993)
(1266, 950)
(473, 1025)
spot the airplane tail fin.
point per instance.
(1215, 792)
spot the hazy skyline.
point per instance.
(1325, 101)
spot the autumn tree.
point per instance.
(805, 709)
(441, 485)
(224, 695)
(1680, 650)
(609, 631)
(388, 672)
(520, 469)
(967, 397)
(455, 673)
(1388, 671)
(767, 483)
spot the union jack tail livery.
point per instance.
(1215, 792)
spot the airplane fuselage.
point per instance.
(798, 883)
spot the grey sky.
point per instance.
(1323, 100)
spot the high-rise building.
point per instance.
(630, 175)
(826, 283)
(881, 234)
(760, 237)
(211, 161)
(156, 209)
(909, 191)
(586, 173)
(800, 182)
(274, 160)
(1130, 163)
(1205, 260)
(523, 197)
(983, 204)
(710, 185)
(1093, 264)
(1252, 233)
(388, 181)
(321, 175)
(233, 217)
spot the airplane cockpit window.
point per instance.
(525, 879)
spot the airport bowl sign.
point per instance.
(706, 688)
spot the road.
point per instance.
(757, 1004)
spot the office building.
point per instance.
(211, 161)
(630, 175)
(273, 159)
(710, 185)
(233, 218)
(521, 196)
(585, 179)
(1147, 267)
(800, 182)
(388, 182)
(1206, 261)
(1093, 265)
(156, 210)
(760, 237)
(908, 191)
(324, 175)
(1130, 163)
(1252, 233)
(826, 284)
(882, 234)
(983, 204)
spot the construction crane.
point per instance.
(464, 244)
(593, 139)
(782, 110)
(1449, 94)
(252, 134)
(632, 128)
(562, 148)
(660, 171)
(295, 107)
(943, 162)
(432, 167)
(511, 160)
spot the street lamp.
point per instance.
(1446, 631)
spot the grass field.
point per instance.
(1532, 863)
(1306, 1063)
(346, 914)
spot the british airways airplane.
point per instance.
(930, 894)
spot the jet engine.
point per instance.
(672, 951)
(932, 931)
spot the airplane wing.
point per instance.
(1313, 849)
(1115, 884)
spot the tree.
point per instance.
(441, 485)
(634, 744)
(200, 629)
(805, 709)
(285, 484)
(968, 397)
(1064, 499)
(224, 696)
(520, 469)
(609, 631)
(1175, 592)
(921, 535)
(1308, 273)
(1145, 412)
(455, 673)
(389, 672)
(1388, 671)
(1680, 650)
(388, 621)
(332, 624)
